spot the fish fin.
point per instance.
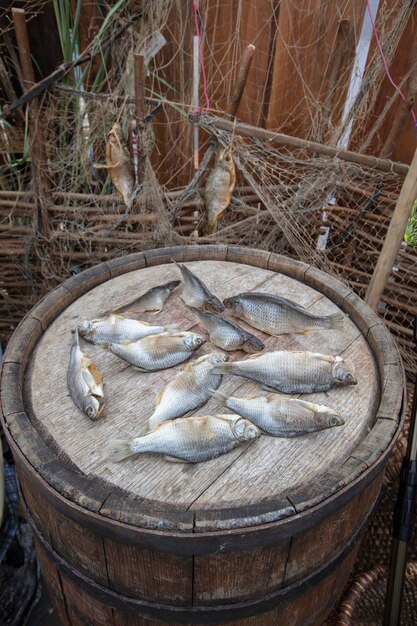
(266, 388)
(173, 459)
(103, 344)
(143, 431)
(323, 357)
(335, 321)
(221, 397)
(222, 368)
(156, 312)
(120, 449)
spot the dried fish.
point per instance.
(277, 315)
(154, 299)
(84, 381)
(158, 352)
(118, 329)
(188, 390)
(190, 439)
(219, 187)
(282, 417)
(226, 334)
(195, 293)
(292, 372)
(120, 164)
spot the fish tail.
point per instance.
(120, 449)
(222, 368)
(335, 321)
(103, 344)
(221, 397)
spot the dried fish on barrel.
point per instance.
(157, 352)
(282, 417)
(190, 439)
(276, 315)
(292, 371)
(118, 329)
(85, 383)
(120, 164)
(226, 334)
(188, 390)
(195, 293)
(154, 299)
(219, 187)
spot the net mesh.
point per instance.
(323, 210)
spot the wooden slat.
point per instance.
(207, 485)
(129, 571)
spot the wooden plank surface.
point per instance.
(268, 468)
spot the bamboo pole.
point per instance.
(40, 176)
(394, 236)
(246, 130)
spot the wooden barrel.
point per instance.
(263, 535)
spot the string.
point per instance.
(200, 54)
(384, 60)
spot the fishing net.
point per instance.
(319, 208)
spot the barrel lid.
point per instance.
(257, 483)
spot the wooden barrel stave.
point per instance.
(129, 550)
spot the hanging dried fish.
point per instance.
(219, 187)
(119, 164)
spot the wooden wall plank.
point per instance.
(400, 64)
(307, 36)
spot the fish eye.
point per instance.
(334, 421)
(199, 341)
(227, 304)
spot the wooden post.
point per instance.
(406, 107)
(196, 80)
(241, 80)
(394, 236)
(139, 114)
(41, 180)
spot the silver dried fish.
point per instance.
(190, 439)
(282, 417)
(276, 315)
(158, 352)
(195, 293)
(84, 381)
(154, 299)
(118, 329)
(292, 371)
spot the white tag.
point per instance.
(152, 46)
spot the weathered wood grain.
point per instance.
(242, 575)
(248, 474)
(149, 575)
